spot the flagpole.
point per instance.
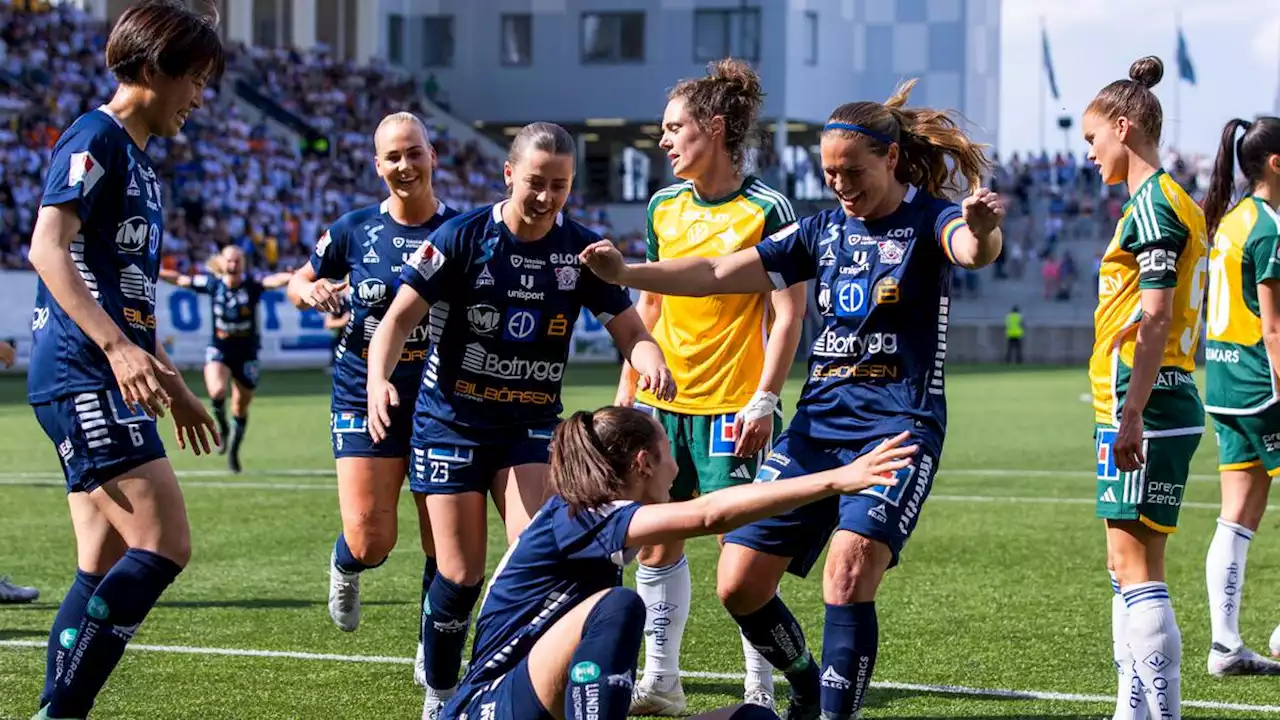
(1043, 72)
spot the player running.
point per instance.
(729, 354)
(366, 249)
(1244, 327)
(882, 265)
(1147, 410)
(98, 380)
(233, 349)
(557, 629)
(500, 289)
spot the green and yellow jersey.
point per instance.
(1244, 254)
(715, 345)
(1159, 242)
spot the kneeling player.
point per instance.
(882, 265)
(233, 350)
(558, 635)
(1244, 310)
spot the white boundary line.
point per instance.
(914, 687)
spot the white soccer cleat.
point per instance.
(420, 666)
(344, 597)
(757, 695)
(433, 704)
(1224, 662)
(648, 700)
(14, 594)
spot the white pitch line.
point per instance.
(694, 674)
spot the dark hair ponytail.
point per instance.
(1261, 140)
(593, 453)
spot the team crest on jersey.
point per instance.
(85, 171)
(371, 232)
(567, 277)
(892, 252)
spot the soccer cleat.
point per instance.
(344, 597)
(233, 462)
(758, 696)
(648, 700)
(433, 704)
(420, 666)
(15, 594)
(802, 711)
(1224, 662)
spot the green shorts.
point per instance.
(1153, 494)
(1249, 441)
(703, 448)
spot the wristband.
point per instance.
(763, 404)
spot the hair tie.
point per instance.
(851, 127)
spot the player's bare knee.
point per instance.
(370, 545)
(853, 570)
(740, 595)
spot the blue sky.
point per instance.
(1234, 45)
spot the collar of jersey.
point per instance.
(497, 215)
(703, 202)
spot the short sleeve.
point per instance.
(605, 300)
(428, 270)
(329, 259)
(950, 221)
(203, 283)
(80, 162)
(779, 215)
(605, 529)
(651, 243)
(1156, 236)
(790, 255)
(1266, 262)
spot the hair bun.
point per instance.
(1147, 71)
(738, 75)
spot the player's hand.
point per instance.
(1127, 449)
(753, 425)
(193, 425)
(7, 354)
(876, 467)
(626, 396)
(139, 374)
(382, 397)
(325, 295)
(605, 261)
(983, 212)
(658, 381)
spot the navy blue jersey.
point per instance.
(883, 287)
(110, 182)
(502, 315)
(235, 309)
(371, 247)
(561, 559)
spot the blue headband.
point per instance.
(881, 137)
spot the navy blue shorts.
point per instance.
(98, 437)
(242, 359)
(459, 463)
(349, 434)
(510, 697)
(883, 514)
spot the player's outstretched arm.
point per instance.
(727, 509)
(737, 274)
(137, 372)
(173, 277)
(277, 280)
(406, 312)
(979, 243)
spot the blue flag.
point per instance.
(1186, 70)
(1048, 65)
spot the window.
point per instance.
(811, 37)
(437, 41)
(395, 39)
(612, 37)
(726, 33)
(517, 39)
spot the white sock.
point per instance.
(666, 592)
(1224, 574)
(1131, 704)
(1156, 645)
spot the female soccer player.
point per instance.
(233, 349)
(727, 356)
(500, 289)
(1147, 410)
(882, 265)
(366, 249)
(557, 629)
(98, 379)
(1242, 357)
